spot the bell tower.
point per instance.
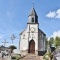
(33, 18)
(33, 26)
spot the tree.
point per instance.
(46, 41)
(12, 47)
(51, 41)
(57, 41)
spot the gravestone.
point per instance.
(56, 54)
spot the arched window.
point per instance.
(33, 20)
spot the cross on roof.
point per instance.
(33, 3)
(5, 42)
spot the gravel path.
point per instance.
(32, 57)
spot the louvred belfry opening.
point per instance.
(33, 17)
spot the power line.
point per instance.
(4, 28)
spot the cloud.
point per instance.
(58, 13)
(55, 33)
(51, 14)
(54, 14)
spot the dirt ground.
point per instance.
(32, 57)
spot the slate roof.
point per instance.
(41, 31)
(33, 12)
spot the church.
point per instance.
(32, 39)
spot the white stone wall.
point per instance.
(30, 18)
(35, 35)
(26, 36)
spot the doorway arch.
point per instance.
(32, 46)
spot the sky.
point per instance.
(14, 18)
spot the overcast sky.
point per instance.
(14, 17)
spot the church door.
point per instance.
(32, 46)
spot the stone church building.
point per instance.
(32, 39)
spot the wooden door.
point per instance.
(32, 46)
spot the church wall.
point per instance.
(45, 43)
(24, 42)
(35, 35)
(24, 39)
(41, 42)
(38, 38)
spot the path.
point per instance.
(32, 57)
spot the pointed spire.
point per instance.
(33, 12)
(33, 17)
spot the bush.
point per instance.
(17, 57)
(13, 57)
(47, 56)
(12, 47)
